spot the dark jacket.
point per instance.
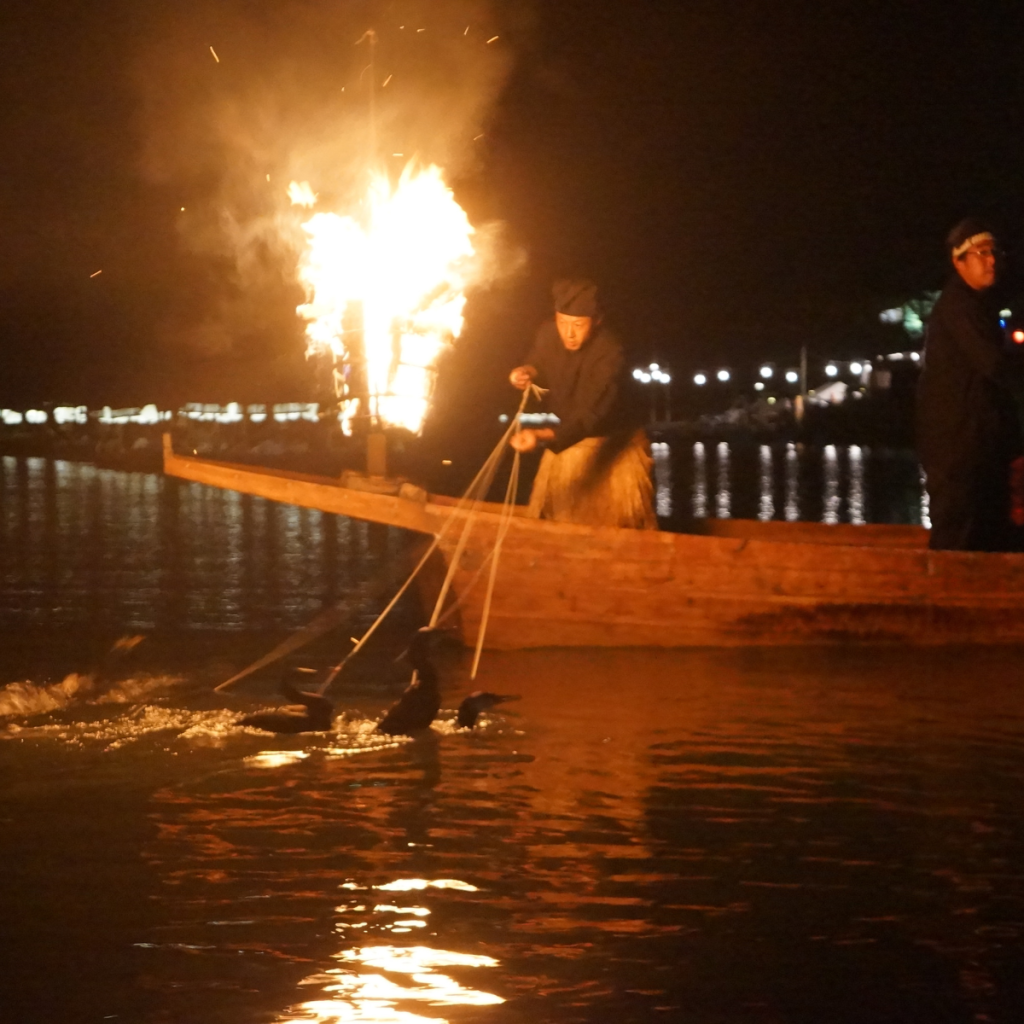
(587, 389)
(966, 409)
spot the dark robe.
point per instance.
(967, 422)
(587, 389)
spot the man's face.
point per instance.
(977, 266)
(573, 330)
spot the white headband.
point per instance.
(984, 236)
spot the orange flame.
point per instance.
(405, 268)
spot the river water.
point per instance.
(699, 836)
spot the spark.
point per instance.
(97, 274)
(301, 194)
(268, 177)
(398, 154)
(466, 33)
(183, 209)
(492, 39)
(214, 52)
(421, 30)
(386, 80)
(478, 137)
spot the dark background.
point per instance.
(741, 177)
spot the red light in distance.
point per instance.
(1018, 336)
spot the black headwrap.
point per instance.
(576, 297)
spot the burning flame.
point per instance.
(386, 293)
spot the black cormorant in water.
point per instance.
(418, 706)
(476, 703)
(314, 715)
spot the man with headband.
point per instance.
(596, 465)
(968, 426)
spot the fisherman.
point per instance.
(968, 422)
(596, 466)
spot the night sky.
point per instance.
(741, 177)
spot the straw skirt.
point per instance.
(593, 484)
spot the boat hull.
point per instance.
(562, 585)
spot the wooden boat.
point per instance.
(739, 583)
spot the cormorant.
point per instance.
(418, 706)
(314, 716)
(478, 702)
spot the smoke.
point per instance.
(238, 100)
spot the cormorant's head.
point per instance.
(420, 647)
(476, 703)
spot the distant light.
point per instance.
(917, 355)
(645, 378)
(723, 375)
(792, 376)
(638, 374)
(699, 379)
(894, 356)
(759, 386)
(831, 370)
(1002, 322)
(654, 367)
(856, 368)
(71, 414)
(503, 418)
(666, 378)
(766, 372)
(36, 416)
(1006, 313)
(891, 316)
(771, 400)
(1018, 337)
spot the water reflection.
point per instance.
(855, 497)
(792, 484)
(794, 481)
(662, 456)
(723, 495)
(766, 480)
(830, 497)
(384, 978)
(138, 551)
(700, 482)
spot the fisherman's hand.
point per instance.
(521, 377)
(524, 441)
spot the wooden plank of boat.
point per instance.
(739, 583)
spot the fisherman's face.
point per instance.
(574, 330)
(977, 266)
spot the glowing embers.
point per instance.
(386, 293)
(378, 980)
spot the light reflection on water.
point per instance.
(742, 836)
(80, 544)
(766, 502)
(828, 484)
(830, 497)
(723, 495)
(700, 482)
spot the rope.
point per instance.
(503, 527)
(473, 495)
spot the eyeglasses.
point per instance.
(986, 253)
